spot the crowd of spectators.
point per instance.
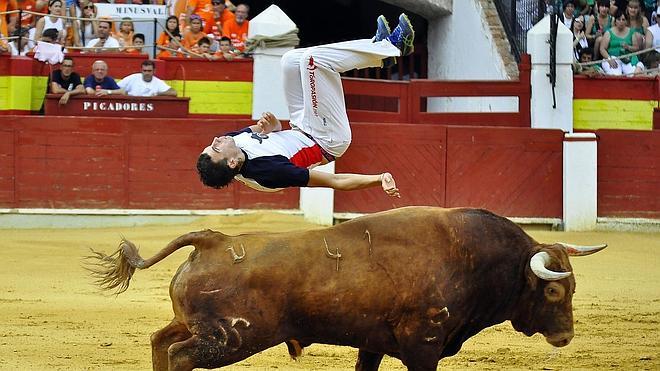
(99, 83)
(199, 30)
(614, 37)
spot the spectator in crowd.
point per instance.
(636, 21)
(584, 7)
(221, 14)
(568, 13)
(267, 158)
(66, 82)
(598, 26)
(617, 42)
(50, 36)
(8, 22)
(104, 42)
(616, 5)
(138, 44)
(194, 34)
(204, 10)
(586, 56)
(99, 83)
(55, 8)
(14, 48)
(165, 39)
(649, 8)
(145, 84)
(28, 20)
(4, 46)
(579, 36)
(651, 61)
(125, 34)
(237, 29)
(203, 48)
(87, 28)
(226, 51)
(653, 34)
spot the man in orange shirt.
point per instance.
(203, 9)
(220, 16)
(8, 21)
(237, 29)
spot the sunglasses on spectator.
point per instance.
(67, 65)
(89, 7)
(217, 2)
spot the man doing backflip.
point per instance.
(267, 158)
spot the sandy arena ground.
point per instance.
(54, 319)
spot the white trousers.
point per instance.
(621, 68)
(314, 92)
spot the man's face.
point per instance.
(241, 13)
(100, 71)
(138, 44)
(204, 48)
(66, 67)
(147, 73)
(225, 46)
(222, 148)
(104, 30)
(586, 57)
(218, 5)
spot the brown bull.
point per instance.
(413, 283)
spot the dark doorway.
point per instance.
(327, 21)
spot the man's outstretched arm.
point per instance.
(349, 182)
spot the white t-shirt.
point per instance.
(134, 85)
(111, 42)
(655, 31)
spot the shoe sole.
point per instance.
(403, 18)
(387, 27)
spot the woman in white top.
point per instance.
(85, 30)
(50, 21)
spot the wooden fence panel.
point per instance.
(413, 154)
(628, 174)
(513, 172)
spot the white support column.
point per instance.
(580, 182)
(267, 87)
(543, 114)
(317, 204)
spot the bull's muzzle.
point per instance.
(560, 340)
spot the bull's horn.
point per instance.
(577, 250)
(538, 263)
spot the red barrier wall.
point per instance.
(143, 164)
(628, 173)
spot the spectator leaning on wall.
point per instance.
(145, 84)
(99, 83)
(65, 81)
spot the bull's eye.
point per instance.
(554, 292)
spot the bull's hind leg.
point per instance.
(368, 361)
(161, 341)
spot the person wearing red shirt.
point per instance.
(237, 29)
(221, 14)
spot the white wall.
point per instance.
(461, 47)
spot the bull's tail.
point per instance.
(114, 272)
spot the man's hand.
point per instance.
(64, 99)
(389, 186)
(268, 123)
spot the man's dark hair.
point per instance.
(149, 62)
(204, 40)
(225, 38)
(50, 33)
(109, 23)
(215, 174)
(138, 36)
(587, 50)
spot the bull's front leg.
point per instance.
(368, 361)
(161, 341)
